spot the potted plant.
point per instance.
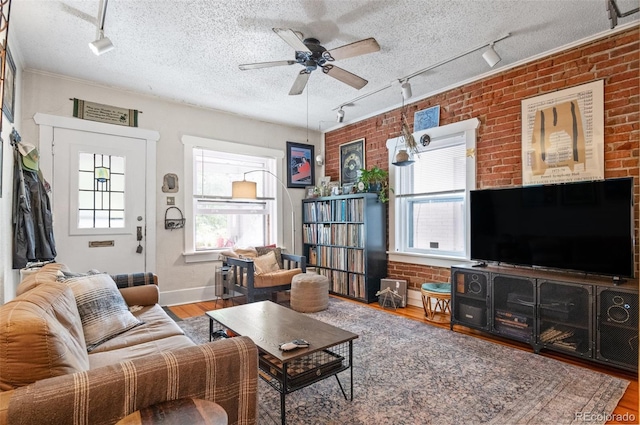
(376, 180)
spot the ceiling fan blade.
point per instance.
(246, 66)
(300, 83)
(344, 76)
(362, 47)
(291, 38)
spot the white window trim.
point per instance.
(191, 142)
(468, 127)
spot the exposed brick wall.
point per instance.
(496, 102)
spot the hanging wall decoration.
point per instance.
(427, 118)
(563, 135)
(105, 113)
(9, 94)
(300, 167)
(351, 161)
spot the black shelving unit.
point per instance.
(513, 306)
(344, 238)
(471, 296)
(565, 313)
(577, 314)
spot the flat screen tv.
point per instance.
(583, 226)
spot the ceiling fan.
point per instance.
(311, 55)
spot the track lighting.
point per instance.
(340, 115)
(406, 90)
(101, 45)
(491, 57)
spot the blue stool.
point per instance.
(441, 292)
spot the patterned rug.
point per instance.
(407, 372)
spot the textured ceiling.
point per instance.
(189, 50)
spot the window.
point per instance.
(100, 191)
(429, 209)
(222, 222)
(215, 221)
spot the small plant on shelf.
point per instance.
(376, 180)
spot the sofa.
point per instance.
(261, 271)
(53, 371)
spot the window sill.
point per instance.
(426, 260)
(201, 256)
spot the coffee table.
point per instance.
(269, 324)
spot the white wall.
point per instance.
(8, 276)
(179, 282)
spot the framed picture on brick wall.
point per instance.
(563, 135)
(351, 161)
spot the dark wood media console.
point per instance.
(581, 315)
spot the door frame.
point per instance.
(46, 124)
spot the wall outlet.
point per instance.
(171, 200)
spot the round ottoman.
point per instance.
(441, 293)
(309, 292)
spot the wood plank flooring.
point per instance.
(628, 405)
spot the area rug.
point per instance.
(407, 372)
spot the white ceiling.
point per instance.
(189, 50)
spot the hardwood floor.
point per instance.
(627, 407)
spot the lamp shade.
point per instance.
(243, 189)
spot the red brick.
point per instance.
(496, 101)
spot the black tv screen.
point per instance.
(583, 226)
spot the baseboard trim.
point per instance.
(187, 296)
(207, 293)
(414, 298)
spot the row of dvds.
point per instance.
(345, 283)
(350, 234)
(339, 258)
(334, 210)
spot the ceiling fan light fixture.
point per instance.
(101, 45)
(340, 115)
(406, 90)
(491, 56)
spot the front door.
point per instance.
(99, 208)
(103, 190)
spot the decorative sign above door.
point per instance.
(105, 113)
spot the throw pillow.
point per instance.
(103, 311)
(266, 263)
(262, 250)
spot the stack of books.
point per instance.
(513, 324)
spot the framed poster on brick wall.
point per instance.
(563, 135)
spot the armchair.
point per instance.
(252, 284)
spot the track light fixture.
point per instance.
(102, 44)
(340, 115)
(406, 90)
(491, 56)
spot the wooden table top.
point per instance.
(269, 324)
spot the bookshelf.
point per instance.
(344, 238)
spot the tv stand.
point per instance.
(585, 316)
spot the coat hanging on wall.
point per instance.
(33, 239)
